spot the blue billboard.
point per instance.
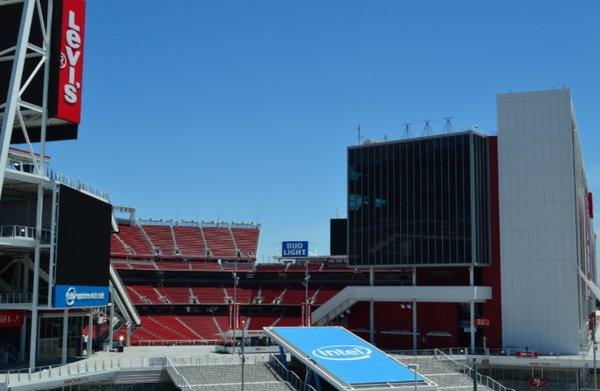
(79, 296)
(343, 354)
(294, 249)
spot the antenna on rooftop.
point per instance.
(427, 127)
(448, 124)
(407, 126)
(359, 136)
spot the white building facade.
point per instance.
(546, 233)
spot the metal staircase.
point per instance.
(448, 373)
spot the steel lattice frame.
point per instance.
(18, 111)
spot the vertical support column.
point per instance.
(12, 97)
(472, 311)
(65, 330)
(90, 333)
(22, 340)
(51, 260)
(10, 111)
(414, 313)
(36, 277)
(23, 345)
(128, 337)
(371, 308)
(111, 316)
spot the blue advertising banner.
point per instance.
(345, 355)
(294, 249)
(79, 296)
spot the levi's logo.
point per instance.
(71, 58)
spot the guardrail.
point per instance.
(30, 168)
(174, 342)
(23, 232)
(179, 380)
(76, 184)
(462, 368)
(442, 360)
(15, 298)
(98, 365)
(487, 352)
(289, 376)
(197, 361)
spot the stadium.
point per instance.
(444, 275)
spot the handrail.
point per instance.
(171, 368)
(55, 176)
(99, 365)
(466, 369)
(176, 342)
(288, 376)
(23, 231)
(15, 297)
(199, 224)
(119, 287)
(76, 184)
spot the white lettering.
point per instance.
(73, 43)
(70, 93)
(72, 24)
(73, 39)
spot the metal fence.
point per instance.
(288, 375)
(96, 365)
(23, 232)
(445, 370)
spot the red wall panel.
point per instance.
(490, 276)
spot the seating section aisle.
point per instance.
(190, 242)
(134, 238)
(219, 242)
(246, 240)
(161, 238)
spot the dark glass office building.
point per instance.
(421, 201)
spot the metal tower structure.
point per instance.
(17, 114)
(407, 131)
(448, 124)
(427, 128)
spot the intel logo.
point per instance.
(342, 352)
(70, 296)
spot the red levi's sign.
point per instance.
(68, 104)
(11, 319)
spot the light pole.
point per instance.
(242, 352)
(306, 278)
(474, 370)
(595, 347)
(414, 368)
(235, 284)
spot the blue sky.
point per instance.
(241, 110)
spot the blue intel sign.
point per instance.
(343, 354)
(78, 296)
(294, 249)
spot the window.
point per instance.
(420, 201)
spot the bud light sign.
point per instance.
(79, 296)
(294, 249)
